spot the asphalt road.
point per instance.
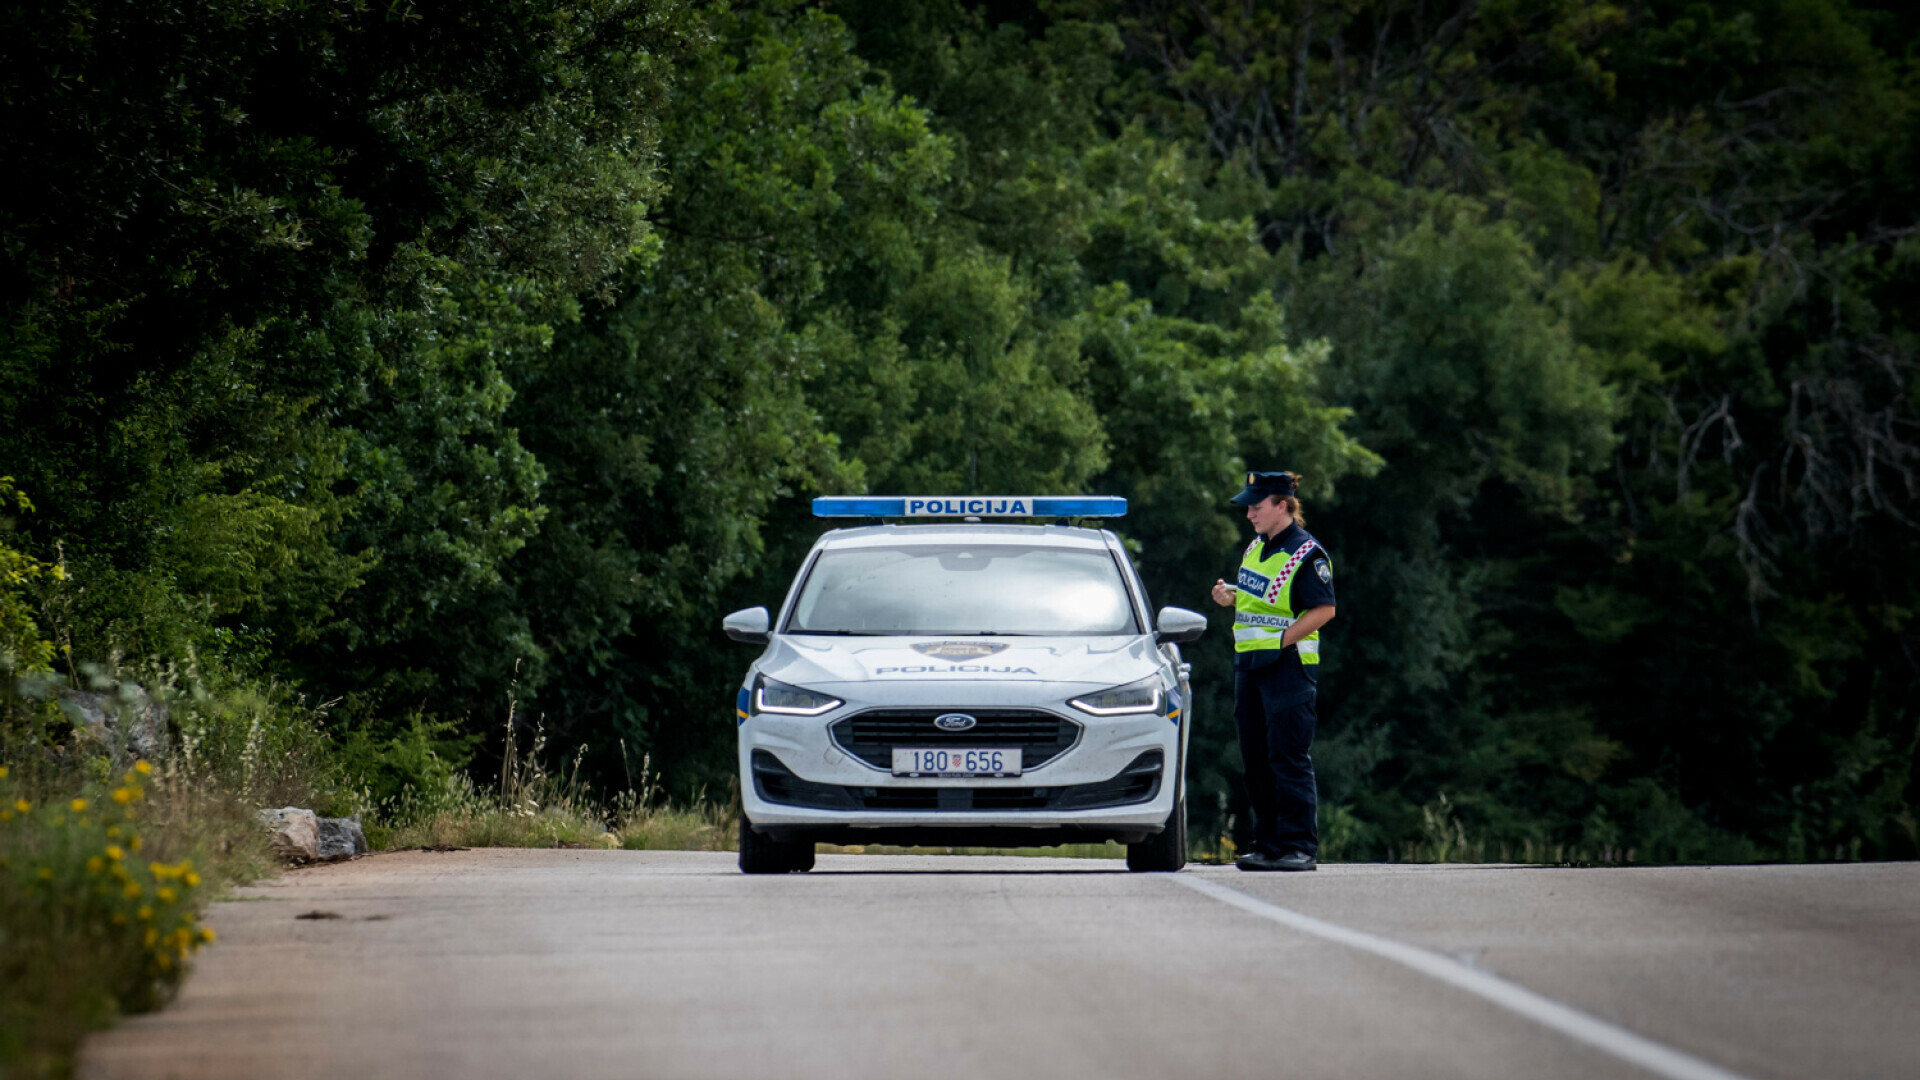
(514, 963)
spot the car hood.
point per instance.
(1084, 662)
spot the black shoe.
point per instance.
(1261, 861)
(1256, 857)
(1296, 860)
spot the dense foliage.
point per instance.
(403, 354)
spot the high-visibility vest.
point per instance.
(1263, 598)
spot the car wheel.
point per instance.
(1165, 852)
(765, 855)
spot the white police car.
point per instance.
(963, 681)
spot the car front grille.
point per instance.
(1139, 782)
(1040, 736)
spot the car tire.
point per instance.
(1165, 852)
(765, 855)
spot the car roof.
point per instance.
(1053, 536)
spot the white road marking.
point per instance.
(1597, 1033)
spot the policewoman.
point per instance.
(1283, 596)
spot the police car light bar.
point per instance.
(960, 506)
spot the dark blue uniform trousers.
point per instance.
(1274, 740)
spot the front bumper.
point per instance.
(1115, 781)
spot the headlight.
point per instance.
(777, 697)
(1135, 697)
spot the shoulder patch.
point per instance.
(1325, 569)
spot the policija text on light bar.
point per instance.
(971, 506)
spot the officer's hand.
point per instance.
(1222, 593)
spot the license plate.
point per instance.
(970, 761)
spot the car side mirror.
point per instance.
(1178, 625)
(748, 625)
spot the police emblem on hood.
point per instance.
(959, 650)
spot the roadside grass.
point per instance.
(704, 826)
(530, 807)
(459, 814)
(1671, 834)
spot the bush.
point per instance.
(102, 878)
(400, 776)
(92, 921)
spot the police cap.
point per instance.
(1262, 484)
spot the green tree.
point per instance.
(1596, 283)
(265, 289)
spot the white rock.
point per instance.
(296, 833)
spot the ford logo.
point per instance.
(954, 721)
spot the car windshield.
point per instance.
(963, 589)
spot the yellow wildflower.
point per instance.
(142, 767)
(207, 934)
(166, 894)
(134, 843)
(113, 832)
(6, 814)
(79, 806)
(22, 805)
(143, 914)
(119, 918)
(114, 852)
(95, 865)
(46, 873)
(152, 936)
(124, 795)
(132, 891)
(3, 772)
(165, 962)
(192, 879)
